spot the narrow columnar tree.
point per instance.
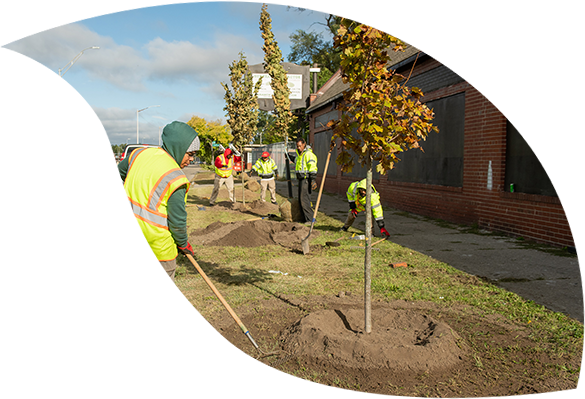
(279, 80)
(381, 116)
(242, 105)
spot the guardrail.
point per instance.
(29, 169)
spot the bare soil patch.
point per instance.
(415, 348)
(251, 234)
(401, 340)
(265, 227)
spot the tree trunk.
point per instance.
(368, 256)
(287, 167)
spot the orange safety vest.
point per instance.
(153, 175)
(225, 171)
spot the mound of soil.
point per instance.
(400, 340)
(257, 207)
(403, 330)
(251, 234)
(263, 208)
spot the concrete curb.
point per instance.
(68, 380)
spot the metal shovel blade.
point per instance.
(305, 245)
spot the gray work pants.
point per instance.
(305, 199)
(144, 278)
(217, 183)
(271, 186)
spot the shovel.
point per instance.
(226, 305)
(305, 242)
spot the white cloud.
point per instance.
(128, 68)
(55, 47)
(122, 66)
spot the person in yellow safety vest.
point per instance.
(157, 189)
(306, 171)
(268, 171)
(356, 196)
(224, 166)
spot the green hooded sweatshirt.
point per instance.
(176, 138)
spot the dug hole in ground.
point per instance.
(416, 348)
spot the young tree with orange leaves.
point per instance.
(381, 116)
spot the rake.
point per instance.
(261, 353)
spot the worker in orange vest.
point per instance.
(224, 166)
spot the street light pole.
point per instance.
(137, 124)
(17, 138)
(66, 68)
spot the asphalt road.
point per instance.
(55, 259)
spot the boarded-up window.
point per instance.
(321, 148)
(546, 133)
(441, 163)
(322, 120)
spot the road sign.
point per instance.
(298, 82)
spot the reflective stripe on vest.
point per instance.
(148, 216)
(265, 169)
(153, 175)
(226, 171)
(302, 166)
(360, 202)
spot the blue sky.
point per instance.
(174, 56)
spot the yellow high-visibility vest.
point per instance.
(226, 171)
(353, 195)
(306, 163)
(153, 175)
(265, 169)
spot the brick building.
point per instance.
(510, 154)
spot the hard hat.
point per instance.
(265, 154)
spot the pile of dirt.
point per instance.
(259, 207)
(251, 234)
(253, 185)
(400, 340)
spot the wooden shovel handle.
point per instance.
(220, 297)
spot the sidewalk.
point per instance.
(550, 280)
(554, 281)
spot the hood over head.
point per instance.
(177, 137)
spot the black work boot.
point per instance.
(173, 343)
(123, 343)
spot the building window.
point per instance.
(441, 163)
(546, 133)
